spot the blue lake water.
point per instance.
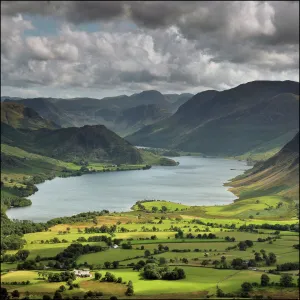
(195, 181)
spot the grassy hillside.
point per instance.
(279, 175)
(155, 159)
(94, 143)
(19, 116)
(255, 117)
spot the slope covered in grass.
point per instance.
(279, 175)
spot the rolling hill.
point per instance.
(279, 175)
(19, 116)
(94, 143)
(254, 117)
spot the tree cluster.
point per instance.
(153, 271)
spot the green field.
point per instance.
(148, 231)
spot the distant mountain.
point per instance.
(19, 116)
(48, 110)
(7, 98)
(108, 111)
(277, 175)
(178, 99)
(255, 115)
(133, 119)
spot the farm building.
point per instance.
(82, 273)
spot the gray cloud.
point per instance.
(177, 46)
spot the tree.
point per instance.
(162, 261)
(15, 294)
(38, 258)
(185, 260)
(160, 247)
(46, 297)
(257, 256)
(147, 253)
(272, 258)
(237, 263)
(204, 262)
(115, 264)
(164, 209)
(242, 246)
(57, 296)
(98, 276)
(62, 288)
(129, 291)
(113, 298)
(249, 243)
(107, 264)
(154, 209)
(220, 293)
(22, 254)
(286, 280)
(264, 280)
(4, 294)
(247, 287)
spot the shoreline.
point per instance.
(227, 188)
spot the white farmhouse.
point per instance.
(82, 273)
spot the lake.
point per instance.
(195, 181)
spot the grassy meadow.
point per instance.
(201, 280)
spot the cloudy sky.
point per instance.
(98, 49)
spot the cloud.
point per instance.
(175, 46)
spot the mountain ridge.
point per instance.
(228, 123)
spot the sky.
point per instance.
(68, 49)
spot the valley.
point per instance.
(193, 219)
(149, 150)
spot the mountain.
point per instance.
(19, 116)
(48, 110)
(7, 98)
(252, 116)
(177, 99)
(278, 175)
(108, 111)
(94, 143)
(133, 119)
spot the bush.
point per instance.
(264, 280)
(15, 294)
(286, 280)
(247, 287)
